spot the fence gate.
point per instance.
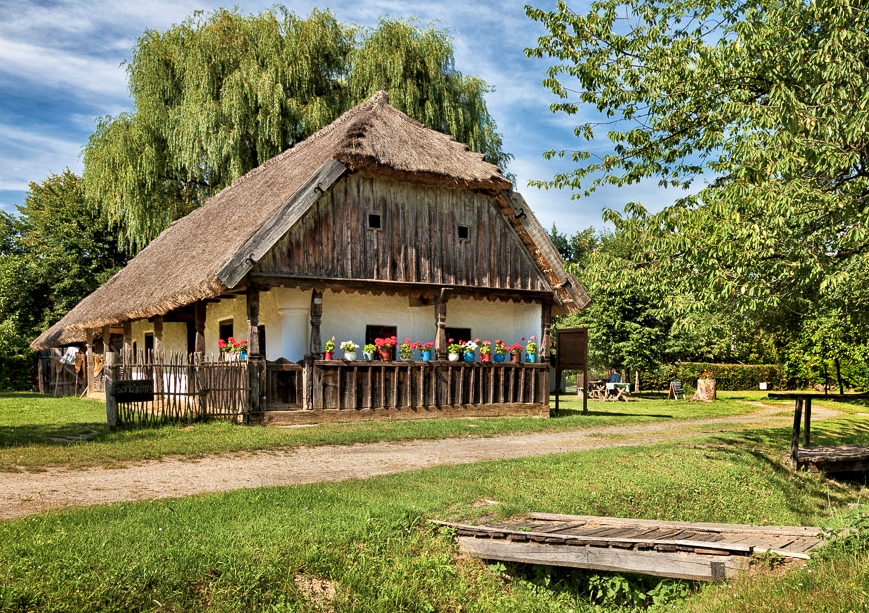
(174, 388)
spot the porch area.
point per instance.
(189, 388)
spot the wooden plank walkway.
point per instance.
(683, 550)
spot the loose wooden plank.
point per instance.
(681, 565)
(699, 526)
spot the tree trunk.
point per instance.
(705, 390)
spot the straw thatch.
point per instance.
(181, 265)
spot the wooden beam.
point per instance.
(128, 339)
(199, 319)
(316, 348)
(280, 223)
(253, 348)
(158, 338)
(546, 336)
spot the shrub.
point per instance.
(729, 377)
(17, 372)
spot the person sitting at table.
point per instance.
(614, 377)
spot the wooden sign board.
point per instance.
(572, 346)
(134, 390)
(676, 390)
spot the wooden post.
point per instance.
(89, 370)
(107, 337)
(111, 404)
(158, 354)
(808, 425)
(316, 348)
(546, 336)
(253, 348)
(199, 319)
(256, 364)
(202, 392)
(441, 322)
(795, 436)
(128, 342)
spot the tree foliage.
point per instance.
(223, 92)
(763, 100)
(54, 253)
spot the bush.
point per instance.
(729, 377)
(17, 372)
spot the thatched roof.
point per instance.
(183, 263)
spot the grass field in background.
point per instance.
(38, 431)
(369, 540)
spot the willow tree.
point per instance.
(416, 66)
(221, 93)
(765, 102)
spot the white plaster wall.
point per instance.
(346, 315)
(215, 312)
(496, 319)
(174, 335)
(286, 315)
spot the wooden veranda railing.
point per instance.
(396, 385)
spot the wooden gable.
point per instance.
(420, 238)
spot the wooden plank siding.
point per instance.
(417, 242)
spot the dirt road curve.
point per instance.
(26, 493)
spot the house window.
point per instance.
(149, 342)
(191, 337)
(459, 335)
(226, 330)
(372, 332)
(374, 221)
(463, 232)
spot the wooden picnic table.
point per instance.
(618, 391)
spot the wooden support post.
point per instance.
(158, 354)
(808, 425)
(256, 364)
(199, 319)
(795, 436)
(201, 391)
(111, 404)
(316, 348)
(584, 387)
(89, 370)
(253, 348)
(107, 337)
(128, 341)
(441, 322)
(546, 336)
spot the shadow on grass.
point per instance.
(579, 413)
(37, 434)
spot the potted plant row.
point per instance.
(385, 348)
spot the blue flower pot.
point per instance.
(469, 357)
(499, 357)
(426, 356)
(532, 357)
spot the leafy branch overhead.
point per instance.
(763, 102)
(222, 93)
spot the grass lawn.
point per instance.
(366, 545)
(39, 432)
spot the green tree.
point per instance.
(221, 93)
(765, 101)
(54, 253)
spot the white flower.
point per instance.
(349, 346)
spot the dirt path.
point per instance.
(26, 493)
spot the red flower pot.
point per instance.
(328, 355)
(516, 357)
(385, 354)
(485, 357)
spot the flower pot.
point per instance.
(367, 356)
(426, 356)
(515, 357)
(499, 357)
(453, 357)
(407, 357)
(485, 357)
(385, 354)
(469, 357)
(328, 355)
(231, 357)
(243, 356)
(350, 356)
(532, 357)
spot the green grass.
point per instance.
(39, 432)
(242, 551)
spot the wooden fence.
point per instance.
(185, 388)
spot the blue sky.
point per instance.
(61, 68)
